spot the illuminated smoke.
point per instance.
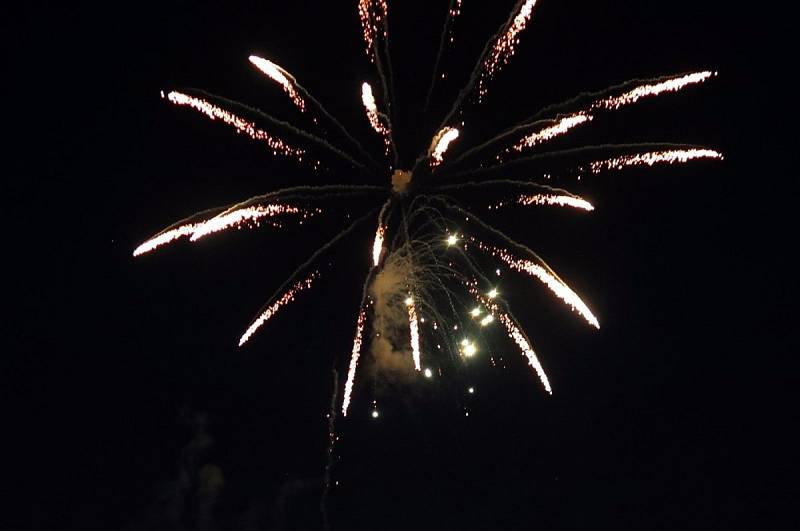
(561, 290)
(248, 215)
(278, 146)
(373, 115)
(548, 199)
(281, 77)
(652, 89)
(273, 308)
(669, 156)
(505, 46)
(413, 326)
(440, 144)
(351, 372)
(377, 245)
(559, 128)
(373, 15)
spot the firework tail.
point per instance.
(326, 478)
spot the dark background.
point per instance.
(675, 415)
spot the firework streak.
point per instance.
(548, 199)
(559, 288)
(278, 146)
(351, 372)
(440, 144)
(652, 88)
(413, 326)
(273, 308)
(281, 77)
(669, 156)
(374, 116)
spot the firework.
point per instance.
(273, 308)
(278, 146)
(420, 249)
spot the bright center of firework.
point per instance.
(400, 180)
(452, 240)
(486, 320)
(475, 312)
(375, 413)
(471, 390)
(428, 373)
(492, 294)
(468, 348)
(409, 301)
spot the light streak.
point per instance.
(377, 245)
(251, 215)
(278, 146)
(440, 143)
(566, 123)
(351, 372)
(505, 46)
(373, 115)
(549, 200)
(559, 288)
(559, 128)
(165, 238)
(669, 156)
(413, 326)
(281, 77)
(273, 308)
(519, 338)
(653, 89)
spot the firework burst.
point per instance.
(426, 270)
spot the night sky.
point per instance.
(146, 416)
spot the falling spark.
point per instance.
(252, 215)
(278, 146)
(428, 373)
(377, 245)
(373, 15)
(373, 115)
(516, 334)
(505, 46)
(555, 285)
(652, 89)
(452, 240)
(281, 77)
(273, 308)
(475, 312)
(670, 156)
(559, 128)
(351, 372)
(413, 326)
(440, 144)
(375, 413)
(487, 320)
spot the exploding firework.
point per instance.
(430, 255)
